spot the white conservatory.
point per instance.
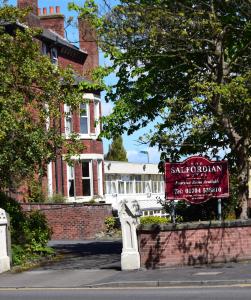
(142, 182)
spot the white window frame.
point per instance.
(54, 55)
(96, 100)
(100, 177)
(71, 176)
(97, 116)
(85, 135)
(68, 116)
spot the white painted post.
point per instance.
(129, 213)
(219, 210)
(4, 242)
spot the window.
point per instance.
(68, 120)
(84, 119)
(54, 56)
(86, 178)
(96, 112)
(100, 177)
(44, 49)
(71, 181)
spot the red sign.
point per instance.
(196, 180)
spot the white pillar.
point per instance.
(49, 178)
(4, 258)
(129, 213)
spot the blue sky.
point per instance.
(130, 142)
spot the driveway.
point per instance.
(94, 254)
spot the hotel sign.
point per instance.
(196, 180)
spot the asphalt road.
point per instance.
(78, 255)
(178, 293)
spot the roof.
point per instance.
(121, 167)
(50, 36)
(53, 38)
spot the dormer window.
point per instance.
(54, 56)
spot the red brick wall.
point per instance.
(190, 244)
(28, 3)
(73, 221)
(53, 22)
(64, 62)
(88, 42)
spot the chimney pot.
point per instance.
(51, 10)
(44, 11)
(39, 11)
(58, 9)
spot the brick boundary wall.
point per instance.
(73, 221)
(168, 245)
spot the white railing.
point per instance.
(134, 187)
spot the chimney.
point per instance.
(51, 10)
(28, 3)
(53, 20)
(88, 42)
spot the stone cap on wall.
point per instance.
(193, 225)
(3, 217)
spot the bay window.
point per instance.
(84, 120)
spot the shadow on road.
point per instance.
(85, 255)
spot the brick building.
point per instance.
(83, 180)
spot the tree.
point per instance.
(116, 150)
(31, 92)
(186, 63)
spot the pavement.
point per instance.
(97, 264)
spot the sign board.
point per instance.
(196, 180)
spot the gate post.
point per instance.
(4, 242)
(129, 213)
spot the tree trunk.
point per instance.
(243, 178)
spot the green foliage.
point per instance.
(154, 220)
(36, 192)
(116, 150)
(29, 232)
(56, 198)
(111, 224)
(186, 212)
(31, 92)
(186, 65)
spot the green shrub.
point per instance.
(154, 220)
(36, 194)
(29, 232)
(56, 198)
(110, 223)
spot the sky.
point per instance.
(131, 145)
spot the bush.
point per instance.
(36, 194)
(56, 198)
(154, 220)
(112, 224)
(29, 232)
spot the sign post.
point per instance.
(219, 210)
(196, 180)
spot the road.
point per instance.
(178, 293)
